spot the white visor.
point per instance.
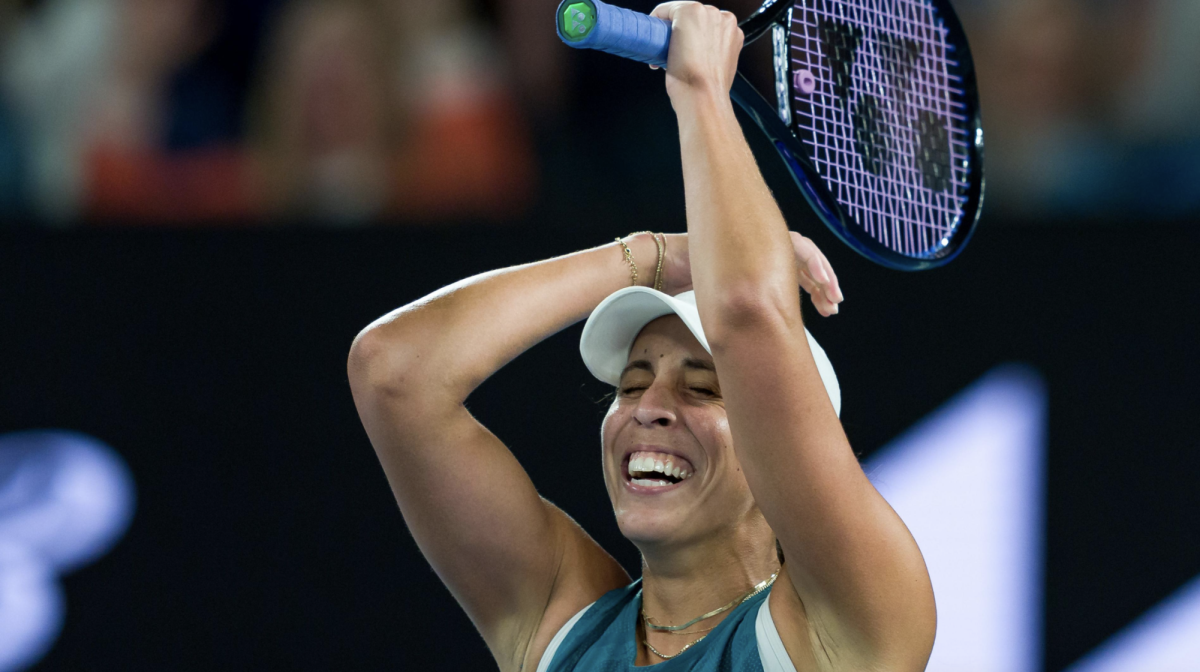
(612, 327)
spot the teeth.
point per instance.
(650, 482)
(648, 463)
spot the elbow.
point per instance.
(379, 363)
(750, 308)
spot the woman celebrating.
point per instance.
(764, 546)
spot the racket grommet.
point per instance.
(804, 81)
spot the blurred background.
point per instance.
(380, 112)
(203, 201)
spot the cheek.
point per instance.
(712, 429)
(609, 425)
(721, 426)
(613, 421)
(726, 469)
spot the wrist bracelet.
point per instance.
(633, 269)
(662, 248)
(633, 272)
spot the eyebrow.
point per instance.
(638, 364)
(689, 363)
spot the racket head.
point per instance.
(877, 118)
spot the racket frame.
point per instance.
(758, 23)
(766, 115)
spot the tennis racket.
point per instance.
(875, 113)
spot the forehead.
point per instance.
(668, 337)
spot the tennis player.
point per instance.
(764, 546)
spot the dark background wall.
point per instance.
(265, 534)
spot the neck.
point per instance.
(679, 584)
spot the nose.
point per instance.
(656, 407)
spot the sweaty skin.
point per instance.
(765, 453)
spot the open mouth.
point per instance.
(656, 470)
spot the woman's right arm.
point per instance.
(515, 562)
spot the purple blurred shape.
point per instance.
(968, 481)
(65, 500)
(1165, 639)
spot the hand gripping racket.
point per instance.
(876, 113)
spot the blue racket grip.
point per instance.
(592, 24)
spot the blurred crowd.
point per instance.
(342, 111)
(1091, 108)
(369, 111)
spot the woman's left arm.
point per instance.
(861, 582)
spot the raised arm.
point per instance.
(862, 596)
(517, 565)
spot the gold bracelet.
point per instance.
(662, 248)
(633, 272)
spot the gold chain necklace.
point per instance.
(665, 656)
(690, 632)
(674, 629)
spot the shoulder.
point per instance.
(585, 629)
(586, 574)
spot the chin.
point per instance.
(641, 526)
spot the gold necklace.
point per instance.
(665, 656)
(689, 632)
(674, 629)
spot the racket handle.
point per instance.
(592, 24)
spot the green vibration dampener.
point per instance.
(578, 19)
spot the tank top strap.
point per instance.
(593, 625)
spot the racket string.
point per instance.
(869, 202)
(887, 127)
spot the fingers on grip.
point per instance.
(667, 10)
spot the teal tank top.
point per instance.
(603, 639)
